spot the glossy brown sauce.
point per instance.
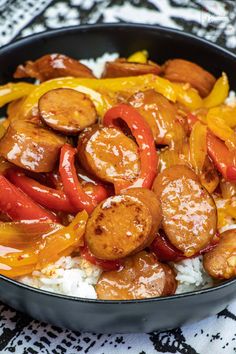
(142, 277)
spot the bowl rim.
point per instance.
(93, 27)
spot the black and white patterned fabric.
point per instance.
(214, 20)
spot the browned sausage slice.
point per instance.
(118, 226)
(189, 211)
(108, 154)
(142, 277)
(150, 200)
(179, 70)
(220, 262)
(51, 66)
(121, 68)
(160, 114)
(29, 146)
(67, 110)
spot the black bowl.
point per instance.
(117, 316)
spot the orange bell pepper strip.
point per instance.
(56, 244)
(144, 138)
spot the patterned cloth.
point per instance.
(213, 20)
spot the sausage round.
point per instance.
(118, 226)
(179, 70)
(150, 200)
(141, 277)
(108, 154)
(121, 68)
(51, 66)
(189, 211)
(160, 114)
(67, 110)
(220, 262)
(31, 147)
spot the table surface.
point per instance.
(213, 20)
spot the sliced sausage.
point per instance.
(179, 70)
(150, 200)
(189, 211)
(160, 114)
(67, 110)
(51, 66)
(13, 110)
(118, 226)
(121, 68)
(108, 154)
(29, 146)
(141, 277)
(220, 262)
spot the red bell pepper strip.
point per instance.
(50, 198)
(144, 138)
(71, 185)
(18, 206)
(104, 264)
(166, 252)
(223, 158)
(98, 193)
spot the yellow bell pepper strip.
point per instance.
(20, 241)
(223, 131)
(23, 250)
(31, 101)
(209, 177)
(228, 189)
(187, 95)
(2, 129)
(223, 158)
(60, 241)
(13, 91)
(89, 86)
(168, 158)
(219, 92)
(5, 124)
(198, 146)
(172, 91)
(139, 57)
(225, 113)
(221, 218)
(231, 211)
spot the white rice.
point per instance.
(231, 99)
(191, 275)
(68, 276)
(76, 277)
(97, 65)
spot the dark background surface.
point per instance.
(213, 20)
